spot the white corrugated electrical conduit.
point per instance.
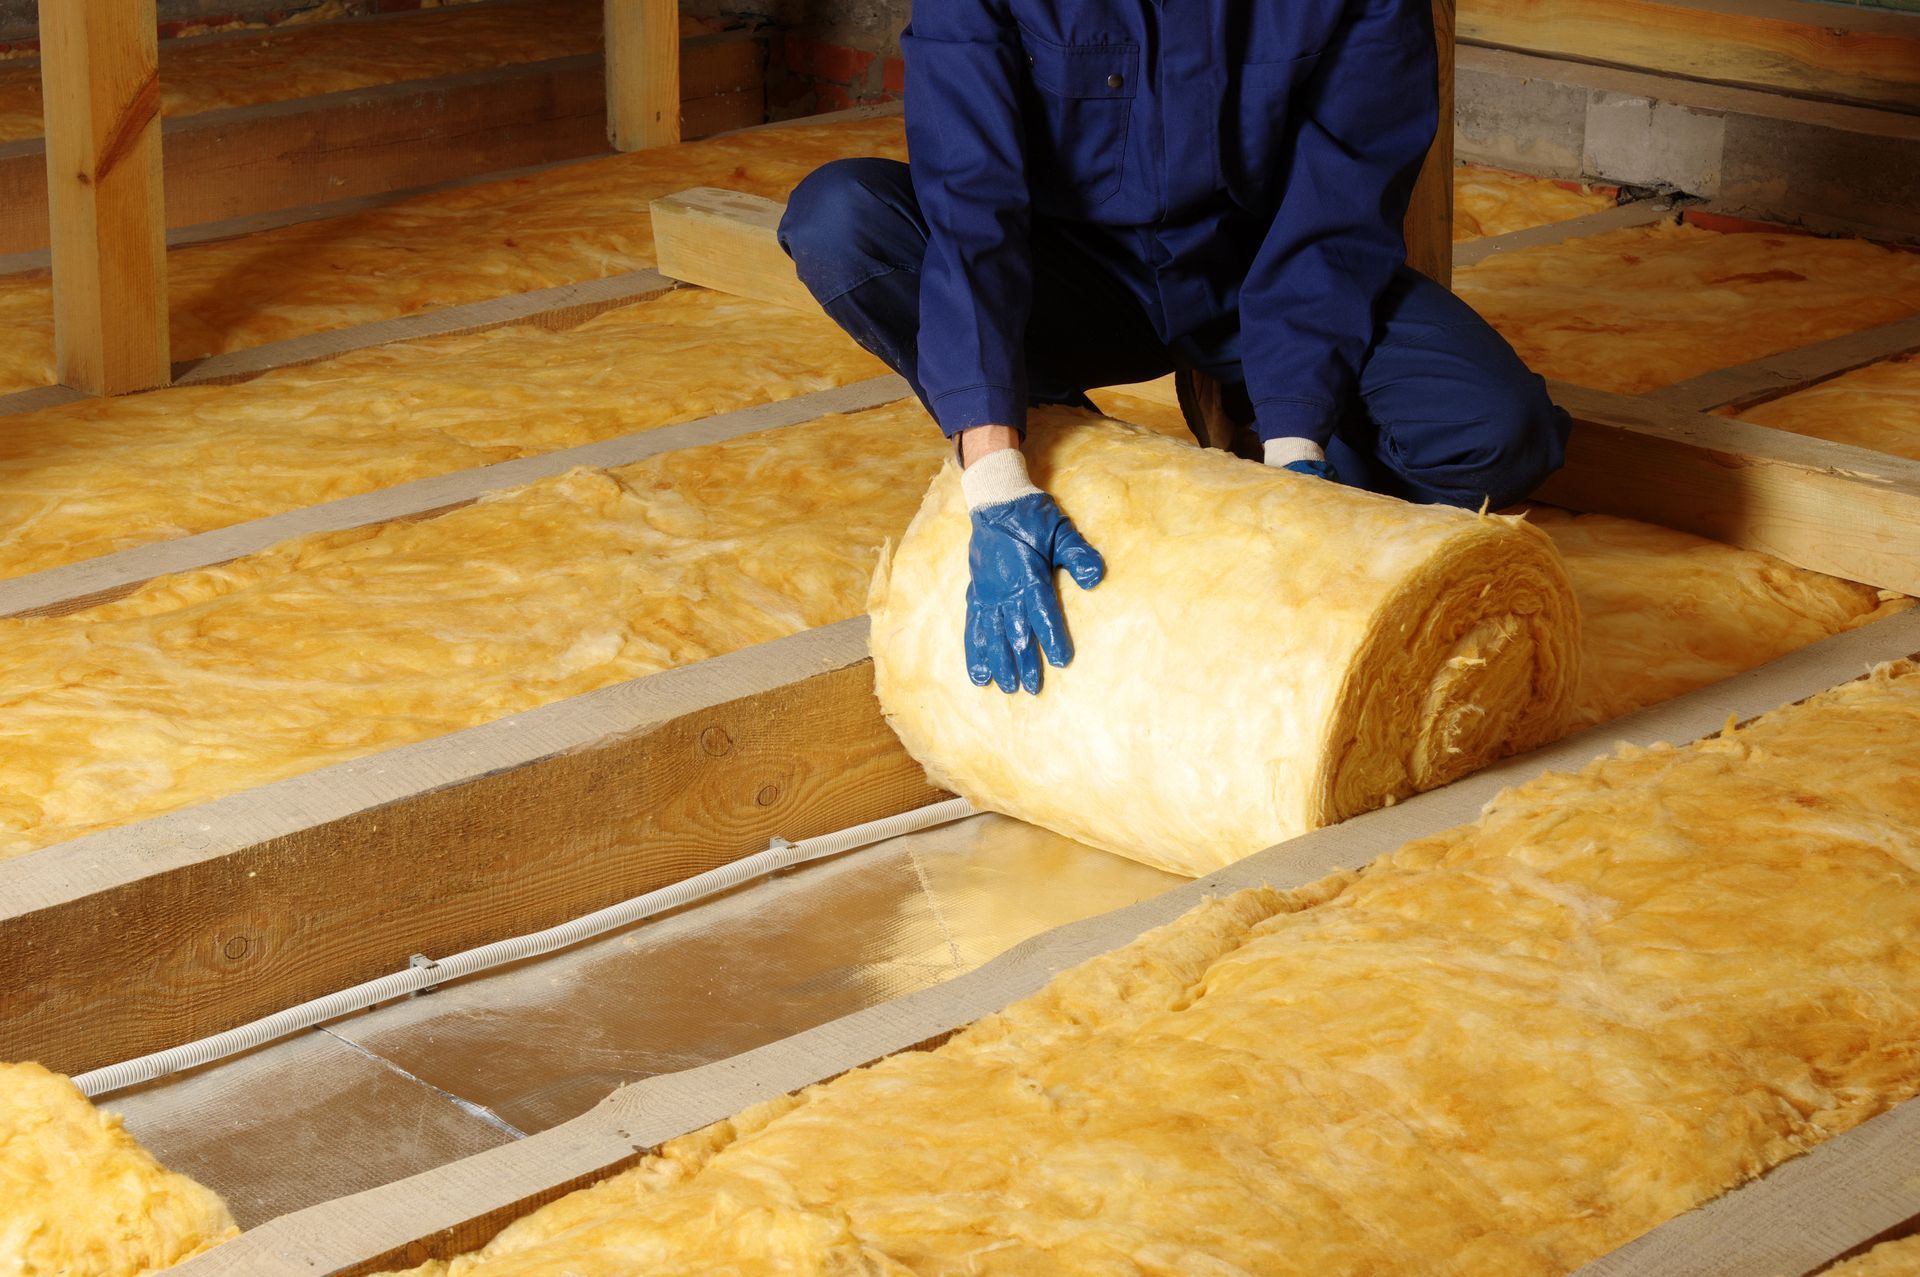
(781, 855)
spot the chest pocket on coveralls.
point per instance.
(1078, 113)
(1268, 107)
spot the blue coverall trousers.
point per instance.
(1445, 412)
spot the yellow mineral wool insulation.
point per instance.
(1889, 1259)
(1635, 309)
(1267, 654)
(1491, 201)
(102, 475)
(330, 57)
(333, 646)
(211, 682)
(572, 222)
(1666, 612)
(80, 1198)
(1508, 1048)
(1876, 407)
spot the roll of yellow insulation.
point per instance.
(1267, 654)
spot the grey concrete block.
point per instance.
(1644, 142)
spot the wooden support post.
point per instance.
(1429, 223)
(643, 73)
(101, 72)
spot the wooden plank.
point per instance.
(1762, 379)
(100, 64)
(234, 227)
(558, 308)
(1825, 506)
(1793, 46)
(1620, 217)
(235, 906)
(39, 397)
(642, 73)
(1429, 223)
(727, 241)
(462, 1205)
(371, 141)
(62, 590)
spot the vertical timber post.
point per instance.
(1430, 217)
(99, 62)
(643, 73)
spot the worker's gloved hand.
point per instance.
(1013, 606)
(1302, 456)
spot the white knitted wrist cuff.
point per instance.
(1285, 451)
(996, 477)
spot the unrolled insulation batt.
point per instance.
(1268, 653)
(334, 646)
(307, 57)
(79, 1198)
(1504, 1049)
(102, 475)
(1632, 310)
(469, 244)
(1491, 201)
(1876, 407)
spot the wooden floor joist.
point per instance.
(391, 137)
(62, 590)
(1826, 506)
(234, 908)
(460, 1206)
(1620, 217)
(1791, 370)
(560, 308)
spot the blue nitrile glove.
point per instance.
(1013, 606)
(1301, 456)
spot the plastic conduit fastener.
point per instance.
(780, 855)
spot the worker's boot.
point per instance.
(1220, 416)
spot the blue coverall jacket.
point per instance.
(1249, 158)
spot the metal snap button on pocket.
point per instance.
(1115, 80)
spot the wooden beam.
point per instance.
(100, 67)
(1793, 46)
(643, 73)
(1620, 217)
(235, 908)
(1429, 224)
(557, 309)
(1825, 506)
(727, 241)
(63, 590)
(1791, 370)
(1856, 1180)
(334, 146)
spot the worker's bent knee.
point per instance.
(850, 220)
(1518, 438)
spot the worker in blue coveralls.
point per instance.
(1105, 191)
